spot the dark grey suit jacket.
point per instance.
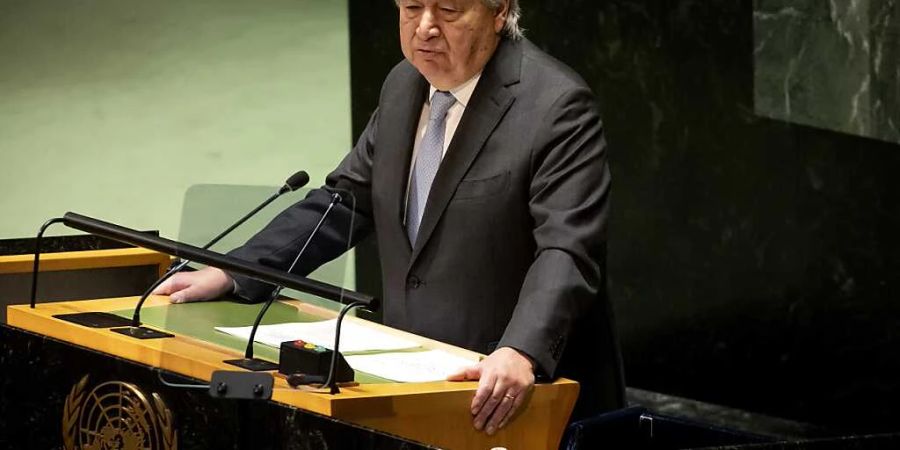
(512, 246)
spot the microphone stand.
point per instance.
(248, 361)
(331, 381)
(88, 319)
(37, 257)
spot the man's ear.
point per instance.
(500, 16)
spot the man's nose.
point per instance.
(428, 28)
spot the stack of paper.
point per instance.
(354, 337)
(410, 367)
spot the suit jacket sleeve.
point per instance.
(569, 204)
(278, 243)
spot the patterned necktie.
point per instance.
(428, 159)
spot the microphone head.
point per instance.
(296, 181)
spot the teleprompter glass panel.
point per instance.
(210, 208)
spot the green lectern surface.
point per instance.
(199, 319)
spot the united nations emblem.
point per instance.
(116, 416)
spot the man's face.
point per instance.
(449, 41)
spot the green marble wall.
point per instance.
(832, 65)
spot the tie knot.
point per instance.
(441, 102)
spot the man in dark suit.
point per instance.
(483, 174)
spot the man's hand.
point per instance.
(204, 284)
(506, 378)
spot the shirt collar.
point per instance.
(463, 92)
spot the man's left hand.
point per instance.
(505, 379)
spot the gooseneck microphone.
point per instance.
(331, 381)
(249, 362)
(294, 182)
(37, 257)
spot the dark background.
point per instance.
(751, 261)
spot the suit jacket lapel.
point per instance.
(488, 105)
(398, 139)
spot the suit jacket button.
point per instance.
(413, 282)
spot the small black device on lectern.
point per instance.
(299, 357)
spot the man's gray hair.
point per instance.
(511, 29)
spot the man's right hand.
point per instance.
(205, 284)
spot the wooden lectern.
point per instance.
(431, 414)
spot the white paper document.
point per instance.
(354, 337)
(410, 367)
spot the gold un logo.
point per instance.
(116, 416)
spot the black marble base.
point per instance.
(776, 428)
(37, 374)
(679, 423)
(873, 442)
